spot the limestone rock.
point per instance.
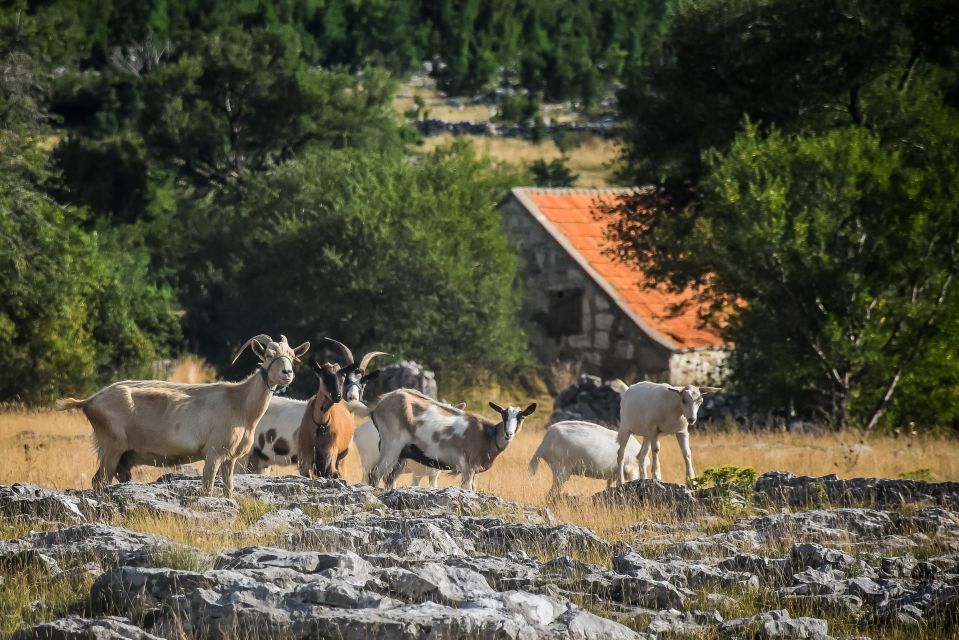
(77, 628)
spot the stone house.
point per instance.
(582, 307)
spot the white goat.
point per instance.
(414, 426)
(277, 438)
(574, 447)
(167, 423)
(649, 409)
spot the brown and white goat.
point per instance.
(413, 426)
(326, 428)
(161, 423)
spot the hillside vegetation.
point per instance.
(176, 176)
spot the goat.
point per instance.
(574, 447)
(414, 426)
(327, 425)
(277, 439)
(367, 441)
(649, 409)
(167, 423)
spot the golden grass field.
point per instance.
(591, 161)
(55, 449)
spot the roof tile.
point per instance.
(576, 214)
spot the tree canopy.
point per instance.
(804, 165)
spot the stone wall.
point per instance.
(698, 367)
(610, 344)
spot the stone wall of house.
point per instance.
(698, 367)
(610, 344)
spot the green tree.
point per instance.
(833, 257)
(76, 308)
(552, 174)
(378, 250)
(796, 66)
(242, 102)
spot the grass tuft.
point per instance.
(29, 595)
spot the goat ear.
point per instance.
(495, 407)
(528, 411)
(672, 387)
(315, 365)
(300, 350)
(460, 405)
(375, 373)
(705, 390)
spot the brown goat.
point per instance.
(326, 429)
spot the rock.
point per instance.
(422, 541)
(819, 557)
(900, 567)
(651, 493)
(590, 400)
(683, 623)
(906, 616)
(99, 542)
(174, 494)
(560, 539)
(280, 601)
(785, 489)
(17, 560)
(825, 524)
(402, 375)
(867, 590)
(77, 628)
(814, 582)
(767, 568)
(282, 520)
(437, 583)
(777, 624)
(449, 499)
(301, 561)
(681, 573)
(829, 603)
(25, 499)
(654, 594)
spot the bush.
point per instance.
(379, 251)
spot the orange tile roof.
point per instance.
(569, 215)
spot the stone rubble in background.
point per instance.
(450, 563)
(405, 374)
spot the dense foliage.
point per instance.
(805, 159)
(75, 306)
(379, 250)
(561, 49)
(177, 176)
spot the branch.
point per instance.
(914, 57)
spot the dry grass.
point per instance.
(54, 449)
(192, 370)
(592, 161)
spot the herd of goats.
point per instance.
(160, 423)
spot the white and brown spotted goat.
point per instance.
(326, 428)
(167, 423)
(413, 426)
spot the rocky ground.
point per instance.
(792, 558)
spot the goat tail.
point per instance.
(358, 409)
(69, 403)
(533, 463)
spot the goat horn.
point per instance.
(372, 354)
(346, 351)
(262, 338)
